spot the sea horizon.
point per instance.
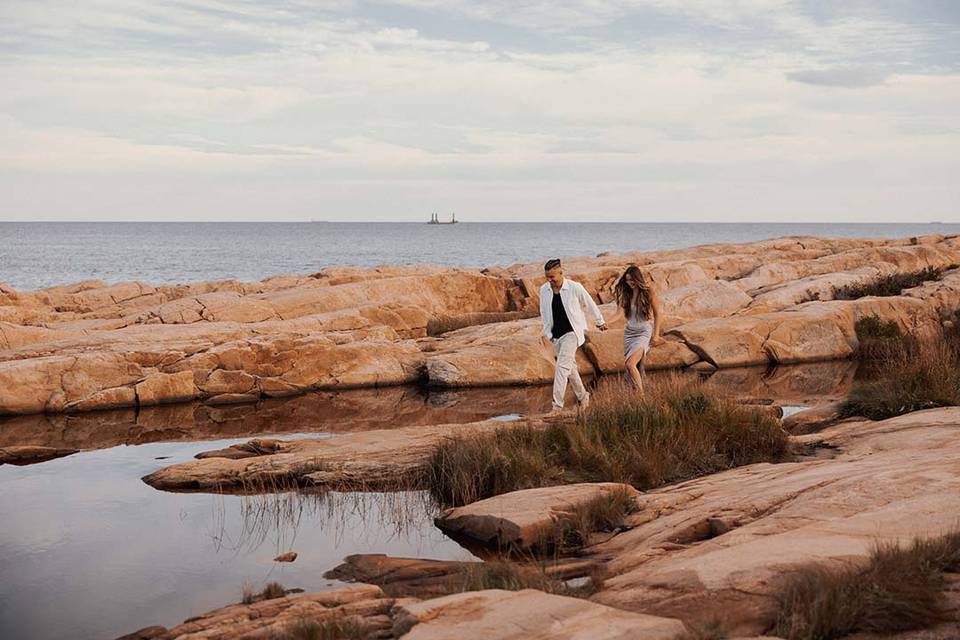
(39, 254)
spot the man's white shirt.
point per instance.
(574, 297)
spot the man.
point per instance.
(561, 309)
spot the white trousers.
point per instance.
(566, 370)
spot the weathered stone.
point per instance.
(528, 518)
(167, 387)
(605, 351)
(364, 606)
(525, 615)
(30, 454)
(497, 354)
(388, 458)
(892, 481)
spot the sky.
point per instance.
(607, 110)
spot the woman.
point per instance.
(641, 308)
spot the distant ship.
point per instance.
(434, 219)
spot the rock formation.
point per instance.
(97, 346)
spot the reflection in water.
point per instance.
(330, 412)
(275, 518)
(87, 550)
(366, 409)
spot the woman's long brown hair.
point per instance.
(624, 293)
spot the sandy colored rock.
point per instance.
(88, 345)
(30, 454)
(388, 458)
(362, 605)
(716, 548)
(167, 387)
(513, 353)
(705, 299)
(525, 615)
(604, 349)
(527, 518)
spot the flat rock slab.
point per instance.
(364, 605)
(526, 615)
(378, 459)
(717, 548)
(528, 518)
(422, 578)
(30, 454)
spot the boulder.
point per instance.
(530, 518)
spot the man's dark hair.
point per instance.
(553, 263)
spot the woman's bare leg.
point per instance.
(632, 365)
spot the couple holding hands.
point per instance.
(562, 303)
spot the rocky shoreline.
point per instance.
(710, 551)
(92, 366)
(93, 346)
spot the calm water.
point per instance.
(41, 254)
(90, 551)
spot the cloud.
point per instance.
(276, 99)
(846, 77)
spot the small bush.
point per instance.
(882, 339)
(899, 589)
(679, 429)
(892, 285)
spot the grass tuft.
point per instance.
(306, 629)
(911, 376)
(513, 576)
(270, 591)
(680, 428)
(891, 285)
(899, 589)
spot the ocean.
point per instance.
(42, 254)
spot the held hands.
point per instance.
(602, 327)
(655, 340)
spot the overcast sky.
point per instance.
(772, 110)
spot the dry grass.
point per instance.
(880, 340)
(680, 428)
(910, 377)
(899, 589)
(515, 576)
(314, 630)
(892, 285)
(604, 514)
(270, 591)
